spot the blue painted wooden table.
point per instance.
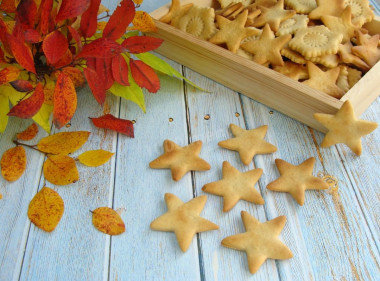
(334, 236)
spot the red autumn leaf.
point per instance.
(64, 100)
(26, 13)
(46, 8)
(8, 6)
(54, 46)
(89, 20)
(141, 44)
(22, 85)
(104, 70)
(91, 63)
(18, 31)
(9, 74)
(21, 53)
(144, 75)
(65, 60)
(101, 48)
(120, 19)
(32, 36)
(29, 107)
(74, 33)
(110, 122)
(71, 8)
(120, 70)
(3, 32)
(96, 85)
(2, 60)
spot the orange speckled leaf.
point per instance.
(8, 6)
(64, 100)
(94, 158)
(13, 163)
(46, 209)
(29, 107)
(29, 133)
(60, 170)
(108, 221)
(9, 74)
(143, 22)
(75, 75)
(63, 143)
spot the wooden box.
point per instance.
(258, 82)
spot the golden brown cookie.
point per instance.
(361, 11)
(183, 219)
(290, 26)
(293, 55)
(273, 15)
(344, 127)
(327, 7)
(180, 160)
(346, 56)
(175, 10)
(324, 81)
(354, 76)
(342, 81)
(295, 180)
(225, 3)
(367, 48)
(232, 32)
(301, 6)
(260, 241)
(329, 61)
(293, 70)
(236, 186)
(248, 142)
(267, 47)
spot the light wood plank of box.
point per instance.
(258, 82)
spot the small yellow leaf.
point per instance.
(29, 133)
(108, 221)
(94, 158)
(102, 9)
(60, 170)
(63, 143)
(1, 196)
(13, 163)
(101, 25)
(143, 22)
(138, 2)
(4, 109)
(46, 209)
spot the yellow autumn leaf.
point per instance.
(94, 158)
(107, 221)
(4, 109)
(101, 25)
(60, 170)
(29, 133)
(138, 2)
(13, 163)
(102, 9)
(46, 209)
(63, 143)
(143, 22)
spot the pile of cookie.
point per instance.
(320, 43)
(260, 241)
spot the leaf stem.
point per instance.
(16, 142)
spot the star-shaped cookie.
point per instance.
(327, 7)
(367, 48)
(267, 48)
(175, 10)
(273, 15)
(296, 179)
(183, 219)
(248, 142)
(344, 127)
(324, 81)
(232, 32)
(260, 241)
(236, 186)
(180, 159)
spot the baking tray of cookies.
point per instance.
(258, 82)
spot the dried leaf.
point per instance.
(94, 158)
(22, 85)
(46, 209)
(119, 20)
(32, 36)
(110, 122)
(60, 170)
(101, 48)
(8, 74)
(29, 133)
(89, 19)
(143, 22)
(21, 53)
(71, 8)
(46, 8)
(144, 75)
(29, 107)
(141, 44)
(74, 33)
(96, 85)
(54, 46)
(64, 100)
(26, 13)
(75, 75)
(120, 70)
(13, 163)
(108, 221)
(63, 143)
